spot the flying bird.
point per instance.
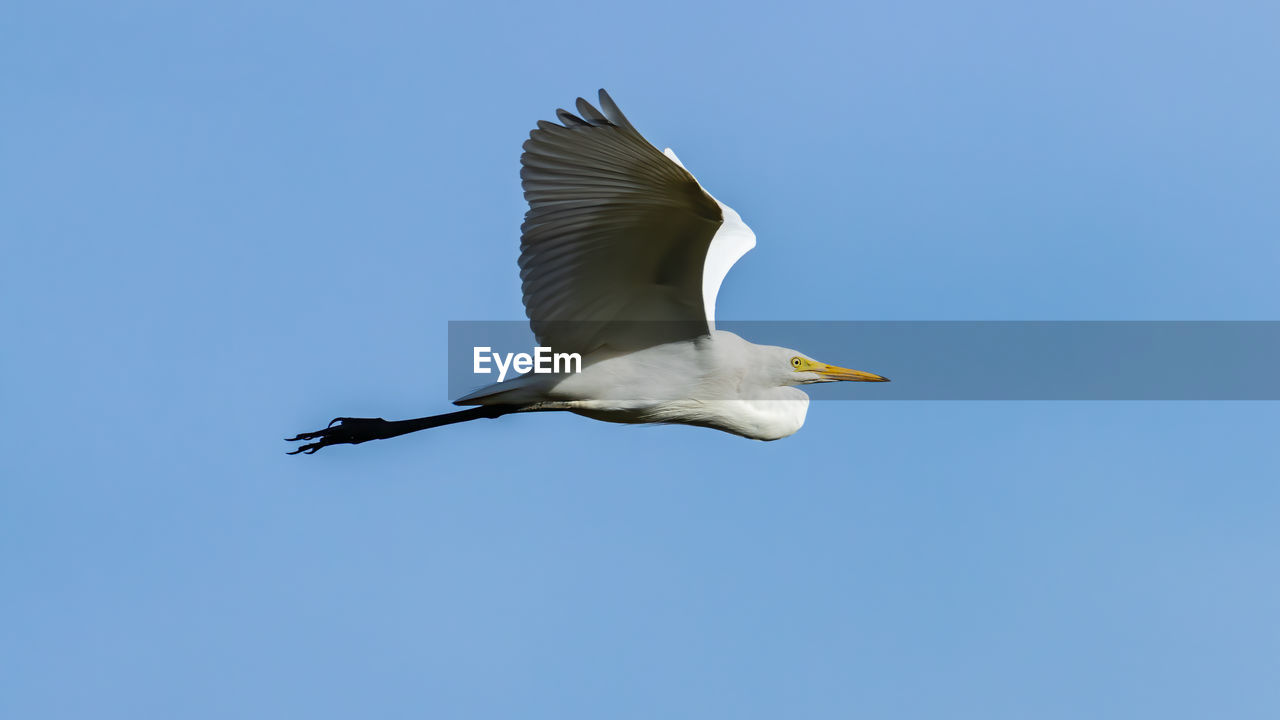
(622, 254)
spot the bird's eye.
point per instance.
(795, 362)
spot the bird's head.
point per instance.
(802, 370)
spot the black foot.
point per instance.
(343, 431)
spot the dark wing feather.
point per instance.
(616, 234)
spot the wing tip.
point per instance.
(568, 119)
(614, 114)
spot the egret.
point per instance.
(622, 254)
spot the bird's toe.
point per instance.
(342, 430)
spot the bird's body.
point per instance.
(716, 380)
(622, 255)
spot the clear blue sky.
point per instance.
(228, 222)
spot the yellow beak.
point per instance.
(831, 372)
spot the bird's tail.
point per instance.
(520, 391)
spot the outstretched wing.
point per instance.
(621, 246)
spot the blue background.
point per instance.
(225, 223)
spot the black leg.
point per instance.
(354, 431)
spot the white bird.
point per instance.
(622, 254)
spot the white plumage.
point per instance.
(717, 380)
(622, 257)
